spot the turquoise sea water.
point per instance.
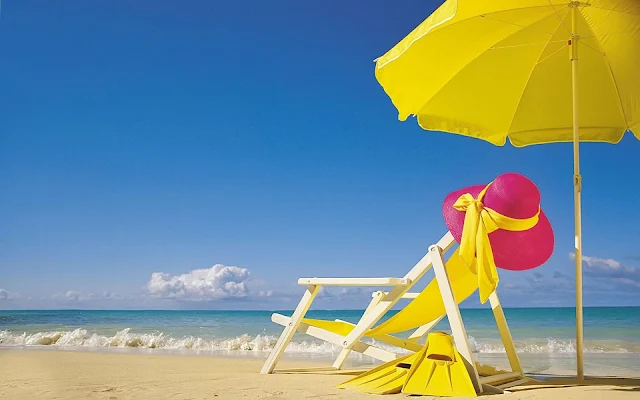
(544, 337)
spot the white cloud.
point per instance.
(610, 271)
(344, 293)
(217, 282)
(541, 285)
(74, 295)
(604, 279)
(6, 295)
(113, 295)
(606, 267)
(627, 282)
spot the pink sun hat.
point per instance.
(514, 196)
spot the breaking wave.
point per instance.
(81, 338)
(556, 346)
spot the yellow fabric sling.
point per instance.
(475, 247)
(464, 272)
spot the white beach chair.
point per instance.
(349, 336)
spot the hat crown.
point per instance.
(514, 196)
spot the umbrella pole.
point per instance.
(577, 187)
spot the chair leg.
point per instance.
(289, 331)
(344, 353)
(334, 338)
(394, 295)
(342, 357)
(453, 314)
(505, 334)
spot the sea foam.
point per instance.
(81, 338)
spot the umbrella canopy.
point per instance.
(501, 69)
(498, 69)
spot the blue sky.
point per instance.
(168, 137)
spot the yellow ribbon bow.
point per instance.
(475, 248)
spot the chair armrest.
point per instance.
(354, 281)
(408, 295)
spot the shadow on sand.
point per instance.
(604, 383)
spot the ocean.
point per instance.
(544, 337)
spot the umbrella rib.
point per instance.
(560, 23)
(497, 12)
(634, 30)
(472, 60)
(514, 24)
(540, 61)
(591, 47)
(546, 43)
(559, 17)
(612, 10)
(613, 79)
(606, 60)
(447, 26)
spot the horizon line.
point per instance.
(290, 310)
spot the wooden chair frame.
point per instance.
(381, 303)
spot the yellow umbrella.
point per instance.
(498, 69)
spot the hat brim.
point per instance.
(512, 250)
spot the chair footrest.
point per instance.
(506, 376)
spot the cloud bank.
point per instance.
(610, 271)
(216, 283)
(6, 295)
(74, 295)
(607, 282)
(344, 293)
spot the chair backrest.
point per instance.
(428, 305)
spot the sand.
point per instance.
(37, 374)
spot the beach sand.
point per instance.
(42, 374)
